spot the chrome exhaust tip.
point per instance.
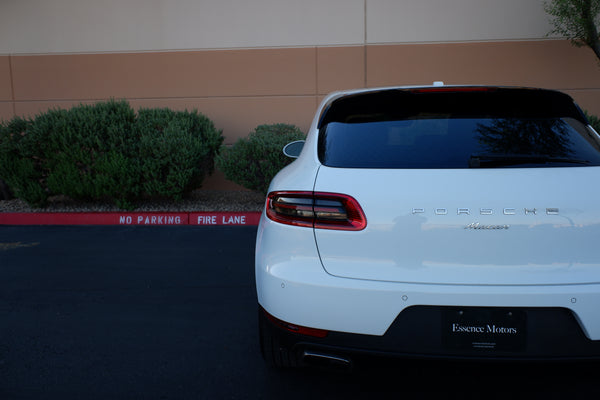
(319, 359)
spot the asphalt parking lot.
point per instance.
(129, 312)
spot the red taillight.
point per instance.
(301, 330)
(316, 209)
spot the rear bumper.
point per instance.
(299, 291)
(553, 334)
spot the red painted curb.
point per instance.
(145, 218)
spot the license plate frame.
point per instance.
(484, 329)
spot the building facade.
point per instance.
(248, 63)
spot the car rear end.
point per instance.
(438, 222)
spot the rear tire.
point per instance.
(275, 353)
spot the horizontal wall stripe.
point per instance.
(552, 63)
(252, 80)
(171, 74)
(241, 89)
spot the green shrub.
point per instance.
(177, 150)
(253, 161)
(21, 164)
(91, 151)
(594, 121)
(107, 152)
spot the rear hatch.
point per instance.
(463, 186)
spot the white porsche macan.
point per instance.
(437, 221)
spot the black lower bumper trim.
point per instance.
(463, 333)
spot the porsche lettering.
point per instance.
(484, 211)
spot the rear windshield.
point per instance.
(491, 128)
